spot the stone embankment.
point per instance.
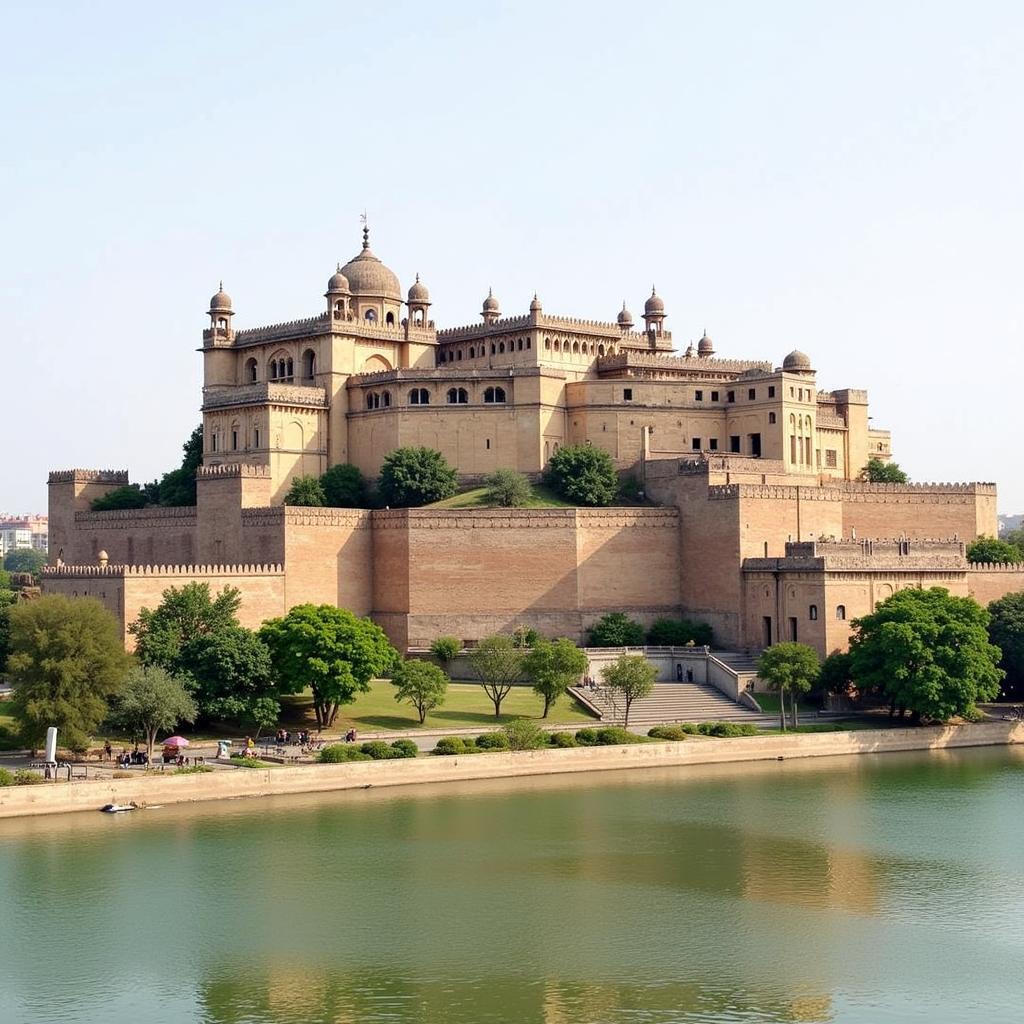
(57, 798)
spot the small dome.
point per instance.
(535, 306)
(705, 347)
(689, 353)
(797, 360)
(338, 283)
(103, 558)
(491, 303)
(221, 301)
(418, 292)
(654, 304)
(625, 318)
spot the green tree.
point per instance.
(680, 633)
(183, 614)
(344, 487)
(879, 472)
(445, 648)
(498, 664)
(630, 678)
(927, 652)
(615, 630)
(1016, 538)
(178, 487)
(151, 701)
(583, 474)
(307, 491)
(836, 676)
(127, 497)
(25, 560)
(507, 488)
(992, 549)
(1006, 631)
(553, 666)
(525, 636)
(7, 599)
(789, 668)
(329, 650)
(67, 660)
(421, 684)
(410, 477)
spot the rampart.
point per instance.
(987, 582)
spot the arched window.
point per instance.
(492, 348)
(272, 374)
(308, 364)
(520, 345)
(370, 315)
(841, 612)
(529, 344)
(291, 371)
(390, 319)
(575, 348)
(386, 399)
(812, 612)
(771, 417)
(494, 395)
(501, 346)
(547, 344)
(472, 352)
(419, 396)
(458, 396)
(251, 373)
(369, 399)
(600, 350)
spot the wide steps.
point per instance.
(675, 702)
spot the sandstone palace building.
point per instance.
(759, 523)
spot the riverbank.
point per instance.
(59, 798)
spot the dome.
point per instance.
(535, 306)
(368, 276)
(221, 301)
(797, 360)
(418, 292)
(654, 304)
(338, 283)
(705, 347)
(625, 318)
(491, 303)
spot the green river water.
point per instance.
(867, 890)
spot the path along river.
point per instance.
(870, 889)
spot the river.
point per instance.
(851, 890)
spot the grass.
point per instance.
(850, 725)
(8, 732)
(466, 707)
(476, 497)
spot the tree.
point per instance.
(344, 487)
(67, 660)
(1016, 538)
(680, 633)
(836, 676)
(25, 560)
(631, 677)
(410, 477)
(1006, 631)
(307, 491)
(421, 684)
(445, 648)
(184, 614)
(553, 666)
(525, 636)
(927, 652)
(583, 474)
(498, 664)
(129, 496)
(879, 472)
(329, 650)
(7, 599)
(178, 487)
(789, 668)
(615, 630)
(992, 549)
(151, 701)
(507, 488)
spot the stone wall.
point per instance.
(964, 511)
(987, 583)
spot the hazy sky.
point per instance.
(841, 178)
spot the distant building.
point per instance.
(17, 532)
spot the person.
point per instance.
(108, 751)
(679, 672)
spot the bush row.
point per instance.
(372, 750)
(21, 777)
(684, 729)
(516, 736)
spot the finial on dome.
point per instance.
(366, 231)
(535, 306)
(221, 288)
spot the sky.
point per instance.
(842, 179)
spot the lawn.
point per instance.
(476, 497)
(8, 730)
(466, 707)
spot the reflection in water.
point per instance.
(751, 894)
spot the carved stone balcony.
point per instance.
(264, 393)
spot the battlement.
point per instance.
(700, 366)
(862, 487)
(441, 374)
(88, 476)
(705, 465)
(122, 571)
(541, 518)
(154, 516)
(888, 555)
(245, 470)
(1014, 567)
(280, 332)
(469, 331)
(264, 393)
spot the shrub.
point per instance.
(586, 737)
(562, 739)
(507, 488)
(343, 487)
(613, 736)
(128, 497)
(338, 753)
(416, 476)
(24, 777)
(405, 748)
(492, 741)
(306, 490)
(193, 769)
(445, 648)
(524, 734)
(629, 488)
(449, 745)
(680, 633)
(727, 729)
(583, 474)
(6, 777)
(379, 750)
(615, 630)
(667, 732)
(122, 775)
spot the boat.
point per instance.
(117, 808)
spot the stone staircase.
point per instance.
(671, 702)
(743, 665)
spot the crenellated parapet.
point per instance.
(116, 477)
(520, 518)
(225, 470)
(129, 518)
(106, 571)
(264, 393)
(854, 487)
(1007, 567)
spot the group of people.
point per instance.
(285, 736)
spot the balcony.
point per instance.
(304, 396)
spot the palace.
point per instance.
(761, 525)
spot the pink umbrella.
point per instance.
(175, 741)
